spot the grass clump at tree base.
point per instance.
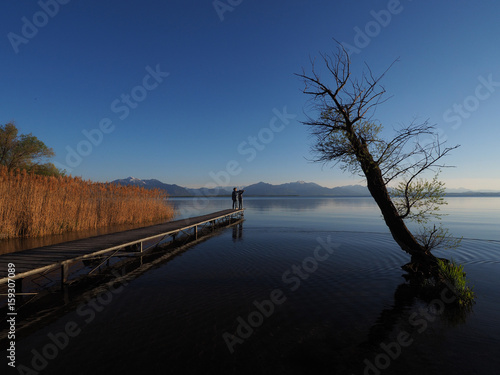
(453, 275)
(443, 274)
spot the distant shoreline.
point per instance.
(472, 194)
(448, 195)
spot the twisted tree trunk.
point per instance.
(422, 261)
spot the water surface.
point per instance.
(303, 286)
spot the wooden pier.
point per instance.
(49, 258)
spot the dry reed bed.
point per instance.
(33, 205)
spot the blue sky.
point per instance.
(188, 94)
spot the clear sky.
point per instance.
(203, 92)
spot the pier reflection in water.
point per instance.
(340, 315)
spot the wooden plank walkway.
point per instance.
(47, 258)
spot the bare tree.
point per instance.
(345, 133)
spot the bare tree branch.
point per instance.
(345, 134)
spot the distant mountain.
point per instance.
(301, 188)
(172, 190)
(210, 192)
(461, 192)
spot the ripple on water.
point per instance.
(175, 315)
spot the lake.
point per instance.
(302, 286)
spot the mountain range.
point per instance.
(302, 188)
(172, 190)
(299, 188)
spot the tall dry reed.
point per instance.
(33, 205)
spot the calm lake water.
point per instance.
(303, 286)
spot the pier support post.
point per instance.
(64, 273)
(195, 232)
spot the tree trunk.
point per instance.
(396, 225)
(420, 256)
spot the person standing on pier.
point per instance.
(234, 196)
(240, 198)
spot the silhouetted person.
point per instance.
(240, 198)
(234, 196)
